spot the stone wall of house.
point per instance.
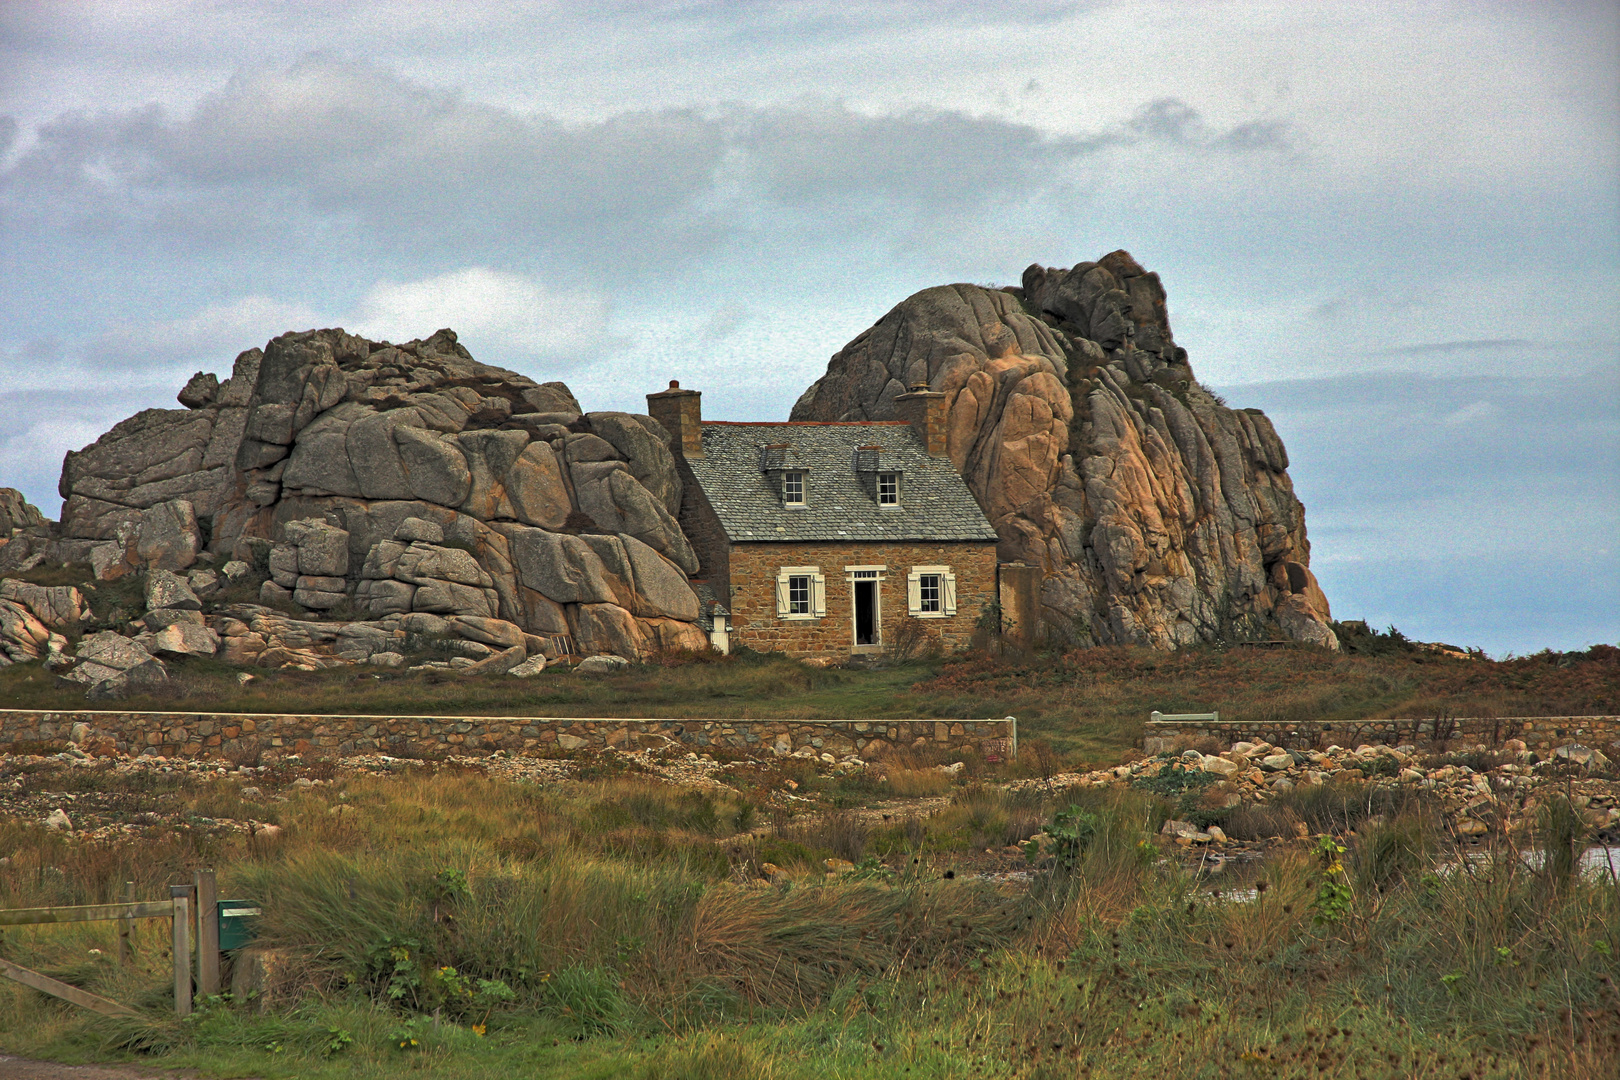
(755, 623)
(705, 533)
(266, 738)
(1538, 732)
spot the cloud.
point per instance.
(1470, 509)
(218, 331)
(723, 323)
(1475, 412)
(493, 312)
(1171, 120)
(1454, 346)
(411, 168)
(814, 154)
(37, 427)
(331, 151)
(151, 354)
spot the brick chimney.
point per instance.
(924, 410)
(681, 413)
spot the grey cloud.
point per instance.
(1456, 465)
(1256, 136)
(721, 325)
(1454, 346)
(826, 153)
(1167, 119)
(327, 138)
(338, 152)
(1171, 120)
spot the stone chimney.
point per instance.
(681, 413)
(924, 410)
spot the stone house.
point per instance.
(829, 539)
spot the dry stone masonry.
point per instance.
(268, 738)
(1538, 732)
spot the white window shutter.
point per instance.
(782, 605)
(950, 592)
(818, 595)
(914, 593)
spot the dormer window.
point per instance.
(879, 471)
(888, 489)
(785, 469)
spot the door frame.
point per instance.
(875, 573)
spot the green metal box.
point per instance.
(238, 923)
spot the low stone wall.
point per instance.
(268, 737)
(1538, 732)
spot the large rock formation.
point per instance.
(401, 486)
(1157, 515)
(386, 479)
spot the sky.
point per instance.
(1393, 226)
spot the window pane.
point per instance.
(799, 595)
(793, 487)
(928, 593)
(888, 489)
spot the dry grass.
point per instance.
(1120, 964)
(1091, 703)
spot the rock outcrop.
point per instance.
(366, 479)
(161, 456)
(17, 514)
(371, 483)
(1156, 514)
(25, 533)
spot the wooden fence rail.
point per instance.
(147, 909)
(193, 914)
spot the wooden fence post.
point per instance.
(180, 895)
(207, 934)
(126, 946)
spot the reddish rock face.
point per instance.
(1156, 514)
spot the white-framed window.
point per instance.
(801, 593)
(793, 489)
(931, 592)
(888, 489)
(929, 588)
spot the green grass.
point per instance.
(746, 686)
(629, 957)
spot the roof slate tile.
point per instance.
(840, 504)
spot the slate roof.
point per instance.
(840, 503)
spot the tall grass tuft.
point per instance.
(1563, 837)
